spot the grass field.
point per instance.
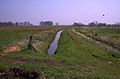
(75, 58)
(110, 36)
(20, 35)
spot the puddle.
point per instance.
(54, 44)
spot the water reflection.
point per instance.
(54, 44)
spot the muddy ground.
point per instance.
(16, 73)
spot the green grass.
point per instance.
(6, 38)
(75, 58)
(110, 36)
(77, 52)
(14, 35)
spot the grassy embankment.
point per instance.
(110, 36)
(87, 60)
(9, 36)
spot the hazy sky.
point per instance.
(62, 11)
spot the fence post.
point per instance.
(30, 42)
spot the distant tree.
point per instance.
(1, 23)
(21, 24)
(102, 24)
(31, 24)
(6, 24)
(10, 24)
(26, 24)
(46, 23)
(17, 24)
(57, 24)
(76, 24)
(95, 23)
(42, 23)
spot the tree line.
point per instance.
(46, 23)
(15, 24)
(42, 23)
(50, 23)
(97, 24)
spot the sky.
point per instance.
(62, 11)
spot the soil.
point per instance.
(19, 60)
(16, 73)
(14, 48)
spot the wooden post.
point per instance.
(30, 42)
(30, 46)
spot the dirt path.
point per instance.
(32, 61)
(102, 44)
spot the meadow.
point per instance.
(76, 57)
(110, 35)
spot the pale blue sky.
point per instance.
(62, 11)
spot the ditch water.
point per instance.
(54, 44)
